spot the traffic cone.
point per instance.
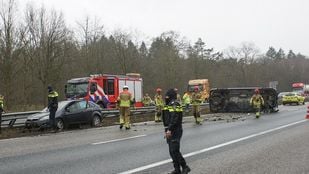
(307, 116)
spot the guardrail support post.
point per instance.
(12, 122)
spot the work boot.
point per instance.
(121, 126)
(127, 128)
(186, 170)
(257, 115)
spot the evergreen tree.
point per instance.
(143, 51)
(271, 53)
(280, 54)
(291, 55)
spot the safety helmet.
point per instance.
(196, 88)
(159, 90)
(125, 87)
(256, 90)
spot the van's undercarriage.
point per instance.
(238, 99)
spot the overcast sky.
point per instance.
(220, 23)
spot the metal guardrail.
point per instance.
(9, 119)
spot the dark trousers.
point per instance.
(174, 149)
(52, 114)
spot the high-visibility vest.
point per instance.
(186, 98)
(146, 100)
(196, 98)
(125, 98)
(257, 99)
(159, 100)
(167, 110)
(53, 99)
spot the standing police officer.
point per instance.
(52, 107)
(172, 120)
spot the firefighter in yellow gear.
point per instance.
(1, 109)
(257, 102)
(159, 105)
(196, 100)
(147, 100)
(186, 100)
(125, 100)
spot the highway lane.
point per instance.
(108, 150)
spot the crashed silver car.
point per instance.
(238, 99)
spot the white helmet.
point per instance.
(125, 87)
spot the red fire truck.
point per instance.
(104, 89)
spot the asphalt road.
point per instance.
(275, 143)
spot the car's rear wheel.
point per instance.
(96, 121)
(59, 124)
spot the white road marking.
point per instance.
(139, 169)
(121, 139)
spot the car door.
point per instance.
(85, 112)
(72, 113)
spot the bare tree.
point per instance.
(47, 38)
(121, 44)
(10, 48)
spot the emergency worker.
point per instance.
(257, 102)
(52, 107)
(172, 121)
(159, 105)
(1, 109)
(125, 100)
(147, 100)
(196, 100)
(186, 100)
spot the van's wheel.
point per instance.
(59, 124)
(96, 121)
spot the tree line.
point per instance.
(39, 49)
